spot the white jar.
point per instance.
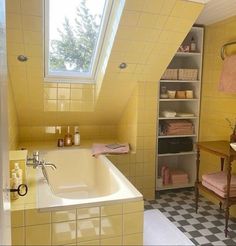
(76, 136)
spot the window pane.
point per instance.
(74, 29)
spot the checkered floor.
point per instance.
(204, 228)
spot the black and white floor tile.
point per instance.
(204, 228)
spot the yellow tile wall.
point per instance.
(112, 224)
(216, 105)
(52, 133)
(127, 128)
(13, 130)
(148, 35)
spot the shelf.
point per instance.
(177, 136)
(169, 187)
(178, 100)
(178, 154)
(187, 54)
(184, 160)
(179, 81)
(177, 118)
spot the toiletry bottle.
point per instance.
(193, 45)
(14, 185)
(76, 136)
(68, 138)
(18, 172)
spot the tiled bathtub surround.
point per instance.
(103, 225)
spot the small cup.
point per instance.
(171, 94)
(189, 94)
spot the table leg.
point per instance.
(227, 204)
(197, 180)
(222, 160)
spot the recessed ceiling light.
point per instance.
(22, 58)
(123, 65)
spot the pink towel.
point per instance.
(98, 149)
(219, 180)
(228, 75)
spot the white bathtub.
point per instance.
(81, 179)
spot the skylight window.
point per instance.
(74, 32)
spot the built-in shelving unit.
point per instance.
(184, 160)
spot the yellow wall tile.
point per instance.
(18, 236)
(111, 226)
(131, 207)
(129, 18)
(38, 235)
(85, 213)
(133, 239)
(111, 209)
(63, 233)
(34, 217)
(13, 130)
(32, 7)
(66, 215)
(129, 226)
(88, 229)
(111, 241)
(17, 218)
(92, 242)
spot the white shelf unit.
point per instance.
(182, 160)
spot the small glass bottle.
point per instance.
(193, 45)
(68, 138)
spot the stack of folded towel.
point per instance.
(217, 182)
(174, 177)
(179, 177)
(177, 127)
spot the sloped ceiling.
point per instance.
(217, 10)
(149, 34)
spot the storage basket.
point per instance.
(187, 74)
(170, 74)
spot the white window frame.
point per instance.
(75, 77)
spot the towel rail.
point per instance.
(222, 54)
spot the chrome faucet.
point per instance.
(36, 162)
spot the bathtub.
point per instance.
(81, 180)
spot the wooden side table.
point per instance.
(227, 156)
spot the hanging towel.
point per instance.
(228, 75)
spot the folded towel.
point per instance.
(98, 149)
(219, 180)
(228, 75)
(217, 191)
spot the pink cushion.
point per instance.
(217, 191)
(219, 180)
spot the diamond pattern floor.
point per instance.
(204, 228)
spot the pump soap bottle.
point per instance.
(14, 185)
(68, 138)
(76, 136)
(18, 172)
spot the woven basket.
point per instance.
(171, 74)
(187, 74)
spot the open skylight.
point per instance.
(74, 32)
